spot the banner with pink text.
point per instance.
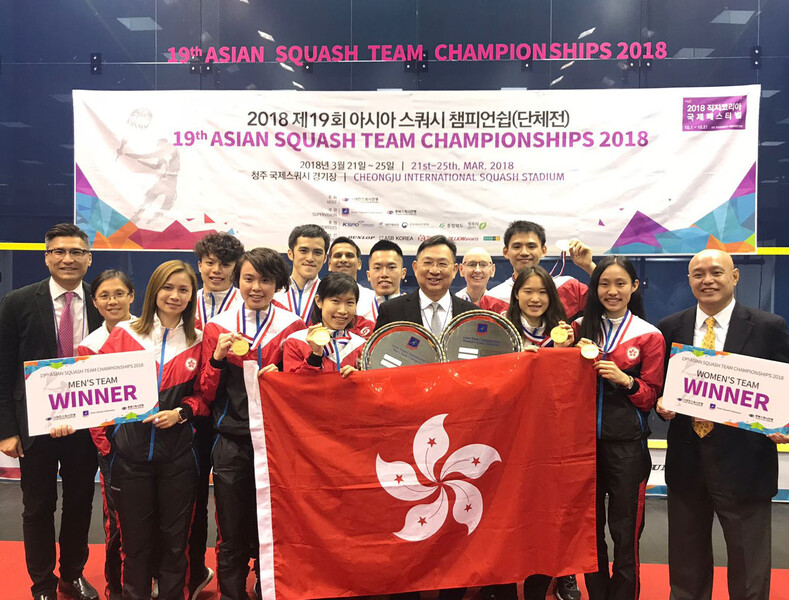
(628, 171)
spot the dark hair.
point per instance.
(268, 263)
(65, 230)
(346, 240)
(308, 231)
(224, 246)
(106, 276)
(591, 326)
(160, 275)
(333, 285)
(385, 246)
(555, 311)
(438, 240)
(524, 227)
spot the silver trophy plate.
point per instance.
(479, 333)
(400, 344)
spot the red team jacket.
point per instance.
(222, 381)
(638, 349)
(346, 345)
(178, 369)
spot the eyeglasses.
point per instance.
(72, 252)
(115, 296)
(473, 264)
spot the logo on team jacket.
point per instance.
(399, 479)
(191, 363)
(633, 353)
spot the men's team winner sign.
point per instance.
(90, 391)
(740, 391)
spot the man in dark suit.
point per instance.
(431, 305)
(713, 468)
(49, 319)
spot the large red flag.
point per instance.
(417, 478)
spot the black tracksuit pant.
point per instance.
(622, 471)
(155, 502)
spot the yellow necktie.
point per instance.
(700, 426)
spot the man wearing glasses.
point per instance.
(477, 268)
(431, 305)
(49, 319)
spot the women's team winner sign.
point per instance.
(90, 391)
(740, 391)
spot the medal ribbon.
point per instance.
(296, 306)
(339, 340)
(610, 342)
(262, 329)
(231, 293)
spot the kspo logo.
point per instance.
(352, 224)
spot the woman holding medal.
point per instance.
(328, 345)
(537, 312)
(255, 331)
(630, 376)
(152, 466)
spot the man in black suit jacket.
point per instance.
(730, 472)
(435, 268)
(432, 306)
(30, 329)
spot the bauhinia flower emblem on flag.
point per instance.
(400, 480)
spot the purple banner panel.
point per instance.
(712, 114)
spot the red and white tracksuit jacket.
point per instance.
(210, 304)
(487, 302)
(178, 370)
(222, 381)
(345, 348)
(638, 349)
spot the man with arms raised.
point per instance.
(713, 468)
(477, 268)
(49, 319)
(307, 250)
(524, 246)
(345, 256)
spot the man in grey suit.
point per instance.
(49, 319)
(713, 468)
(431, 305)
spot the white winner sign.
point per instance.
(90, 391)
(740, 391)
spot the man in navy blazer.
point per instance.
(730, 472)
(431, 305)
(30, 321)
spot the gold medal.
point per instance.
(559, 335)
(321, 336)
(240, 347)
(590, 351)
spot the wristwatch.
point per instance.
(181, 415)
